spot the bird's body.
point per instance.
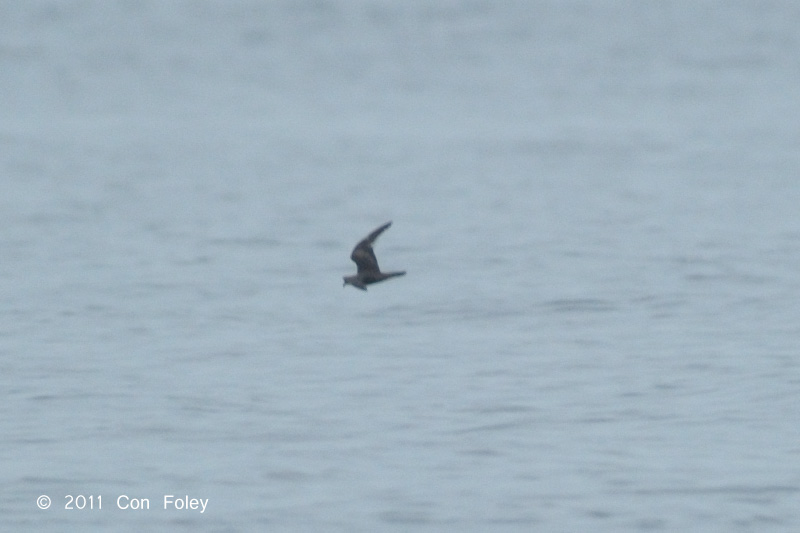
(367, 264)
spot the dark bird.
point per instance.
(364, 258)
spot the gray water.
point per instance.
(596, 203)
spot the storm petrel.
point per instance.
(364, 258)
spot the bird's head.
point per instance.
(355, 282)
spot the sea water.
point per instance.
(596, 204)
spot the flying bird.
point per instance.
(364, 258)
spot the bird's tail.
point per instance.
(394, 274)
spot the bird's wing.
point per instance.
(377, 231)
(363, 255)
(364, 258)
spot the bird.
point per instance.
(364, 257)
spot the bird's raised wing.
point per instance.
(363, 255)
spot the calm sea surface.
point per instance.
(596, 203)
